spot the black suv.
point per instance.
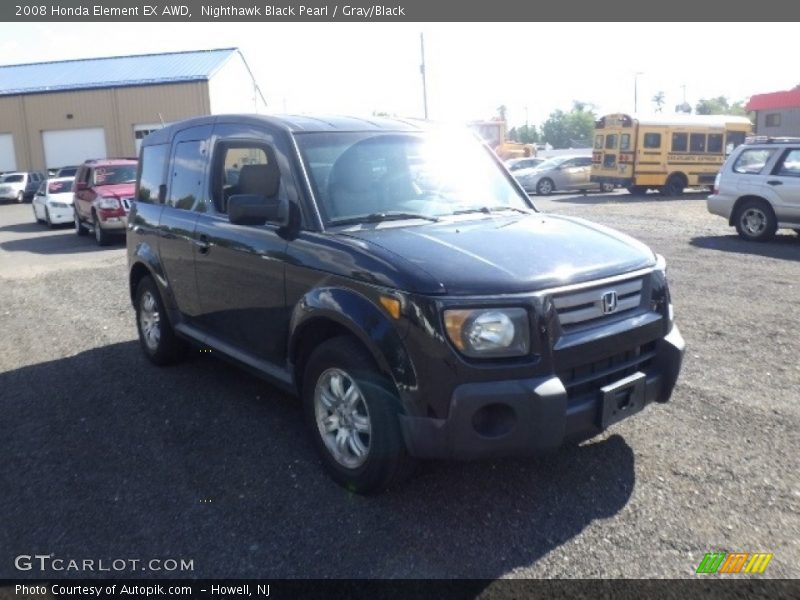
(397, 278)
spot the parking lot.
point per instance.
(106, 456)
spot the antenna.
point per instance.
(160, 118)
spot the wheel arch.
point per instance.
(326, 313)
(741, 200)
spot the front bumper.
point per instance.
(60, 215)
(523, 417)
(115, 223)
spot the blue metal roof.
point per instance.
(115, 71)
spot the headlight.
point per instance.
(107, 202)
(661, 264)
(58, 204)
(492, 332)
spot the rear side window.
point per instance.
(752, 161)
(652, 140)
(679, 142)
(186, 178)
(790, 165)
(153, 162)
(625, 141)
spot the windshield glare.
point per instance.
(115, 174)
(359, 174)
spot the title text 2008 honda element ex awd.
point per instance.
(397, 279)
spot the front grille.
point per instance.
(590, 377)
(594, 304)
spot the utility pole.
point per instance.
(636, 91)
(422, 72)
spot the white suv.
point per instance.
(758, 188)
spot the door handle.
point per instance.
(203, 244)
(775, 182)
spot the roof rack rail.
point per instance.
(766, 139)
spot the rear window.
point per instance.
(752, 161)
(611, 141)
(59, 187)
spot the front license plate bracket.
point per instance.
(622, 399)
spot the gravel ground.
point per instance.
(107, 457)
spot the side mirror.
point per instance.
(81, 186)
(252, 209)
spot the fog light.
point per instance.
(494, 420)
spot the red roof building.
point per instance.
(777, 113)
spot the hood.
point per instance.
(65, 197)
(506, 255)
(120, 190)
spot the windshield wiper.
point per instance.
(490, 209)
(379, 217)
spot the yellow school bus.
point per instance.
(663, 152)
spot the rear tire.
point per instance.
(755, 221)
(352, 414)
(156, 336)
(637, 190)
(674, 186)
(607, 188)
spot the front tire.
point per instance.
(545, 187)
(352, 414)
(47, 218)
(80, 230)
(100, 236)
(35, 214)
(156, 336)
(755, 221)
(20, 197)
(637, 190)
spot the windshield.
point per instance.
(367, 174)
(115, 174)
(59, 187)
(12, 178)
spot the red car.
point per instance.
(103, 195)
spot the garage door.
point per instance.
(73, 146)
(8, 162)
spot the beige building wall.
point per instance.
(116, 110)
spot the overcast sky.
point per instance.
(472, 68)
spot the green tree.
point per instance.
(525, 134)
(659, 100)
(569, 129)
(719, 106)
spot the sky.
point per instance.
(472, 68)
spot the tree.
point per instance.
(525, 134)
(659, 100)
(569, 130)
(719, 106)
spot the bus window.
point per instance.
(697, 142)
(611, 141)
(598, 142)
(714, 143)
(625, 141)
(652, 140)
(735, 138)
(679, 142)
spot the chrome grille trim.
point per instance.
(587, 304)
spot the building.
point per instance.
(777, 113)
(60, 113)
